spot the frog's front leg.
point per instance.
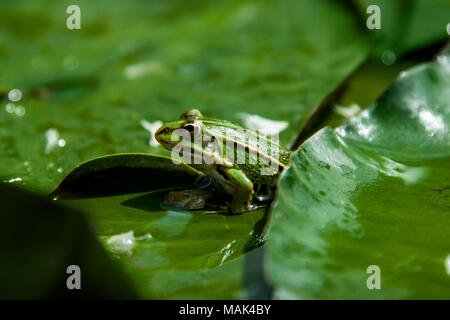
(243, 193)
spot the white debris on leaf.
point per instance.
(142, 69)
(151, 127)
(347, 112)
(255, 122)
(52, 136)
(123, 243)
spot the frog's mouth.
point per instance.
(165, 144)
(159, 136)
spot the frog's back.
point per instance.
(259, 156)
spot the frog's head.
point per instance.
(190, 120)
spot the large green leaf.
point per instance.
(372, 192)
(170, 253)
(40, 239)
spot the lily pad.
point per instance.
(372, 192)
(125, 173)
(163, 250)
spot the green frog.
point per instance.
(240, 162)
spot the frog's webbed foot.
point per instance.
(255, 206)
(228, 209)
(224, 207)
(219, 211)
(247, 208)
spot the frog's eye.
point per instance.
(189, 127)
(193, 128)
